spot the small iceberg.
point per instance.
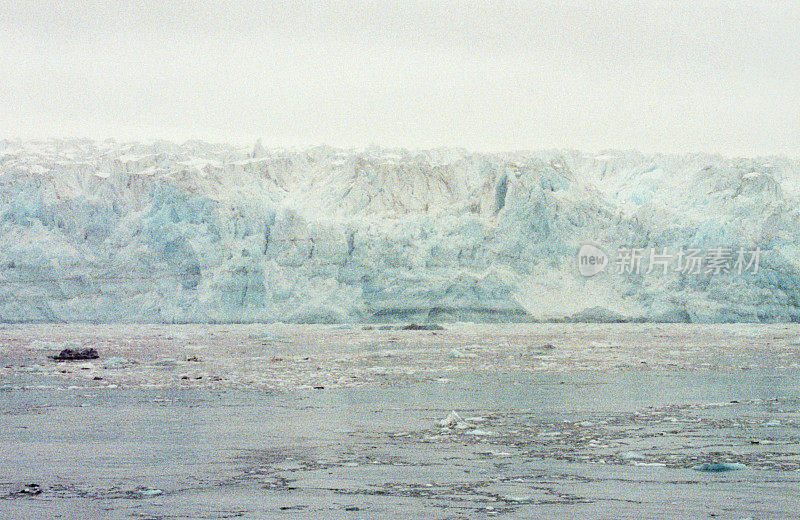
(482, 433)
(452, 419)
(458, 353)
(145, 492)
(116, 363)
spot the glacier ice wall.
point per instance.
(107, 231)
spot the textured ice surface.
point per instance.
(106, 231)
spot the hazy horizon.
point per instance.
(669, 77)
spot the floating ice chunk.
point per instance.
(115, 363)
(632, 455)
(483, 433)
(451, 420)
(145, 492)
(458, 353)
(518, 498)
(165, 363)
(494, 454)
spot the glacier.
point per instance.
(103, 231)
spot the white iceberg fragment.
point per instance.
(451, 420)
(482, 433)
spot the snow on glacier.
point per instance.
(199, 232)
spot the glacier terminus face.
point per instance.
(197, 232)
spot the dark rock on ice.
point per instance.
(30, 489)
(424, 326)
(718, 467)
(76, 354)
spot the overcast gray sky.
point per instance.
(656, 76)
